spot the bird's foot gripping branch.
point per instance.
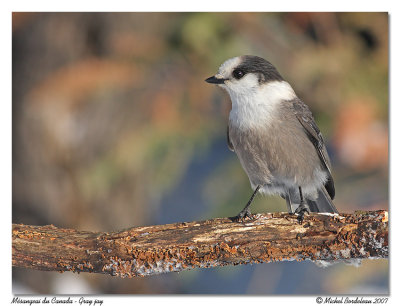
(158, 249)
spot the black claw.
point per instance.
(300, 218)
(301, 210)
(245, 213)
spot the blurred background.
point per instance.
(114, 126)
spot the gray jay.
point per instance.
(275, 137)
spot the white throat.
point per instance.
(258, 106)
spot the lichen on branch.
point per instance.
(149, 250)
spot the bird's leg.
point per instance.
(303, 208)
(245, 212)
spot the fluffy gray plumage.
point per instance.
(274, 135)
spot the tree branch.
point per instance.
(217, 242)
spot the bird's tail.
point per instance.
(323, 203)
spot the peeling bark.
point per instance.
(158, 249)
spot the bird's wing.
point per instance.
(230, 145)
(306, 119)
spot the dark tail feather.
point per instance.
(323, 203)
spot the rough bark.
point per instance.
(157, 249)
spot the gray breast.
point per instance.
(279, 153)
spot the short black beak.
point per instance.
(214, 80)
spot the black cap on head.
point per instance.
(255, 64)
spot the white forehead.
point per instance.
(226, 68)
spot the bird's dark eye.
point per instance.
(238, 74)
